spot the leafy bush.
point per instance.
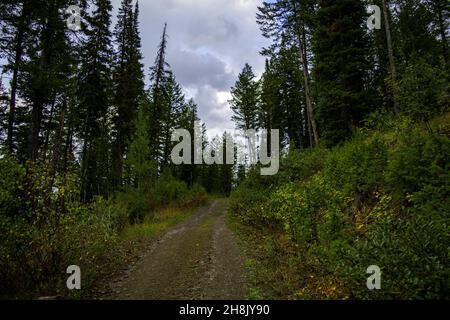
(380, 199)
(301, 165)
(34, 256)
(168, 190)
(420, 161)
(44, 230)
(132, 202)
(11, 186)
(423, 90)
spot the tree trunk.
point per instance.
(40, 94)
(48, 130)
(301, 38)
(33, 138)
(67, 149)
(17, 60)
(390, 49)
(442, 31)
(57, 146)
(84, 163)
(309, 104)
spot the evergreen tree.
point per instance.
(188, 120)
(168, 105)
(50, 60)
(159, 75)
(292, 97)
(340, 48)
(384, 64)
(171, 114)
(244, 102)
(416, 39)
(441, 16)
(292, 21)
(95, 100)
(271, 114)
(226, 170)
(140, 167)
(128, 82)
(421, 86)
(14, 34)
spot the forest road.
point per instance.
(195, 260)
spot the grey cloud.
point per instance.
(199, 69)
(209, 43)
(216, 114)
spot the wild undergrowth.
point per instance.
(380, 199)
(39, 240)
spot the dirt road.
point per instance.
(196, 260)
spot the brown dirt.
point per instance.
(196, 260)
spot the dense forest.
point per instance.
(363, 115)
(364, 123)
(86, 145)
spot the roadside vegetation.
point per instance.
(86, 166)
(380, 199)
(85, 145)
(39, 242)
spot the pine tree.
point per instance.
(95, 100)
(188, 119)
(170, 117)
(44, 76)
(416, 38)
(441, 17)
(159, 77)
(14, 32)
(292, 96)
(384, 63)
(226, 170)
(244, 102)
(212, 178)
(420, 88)
(271, 114)
(140, 167)
(128, 82)
(292, 21)
(340, 48)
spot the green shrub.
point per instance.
(133, 203)
(301, 165)
(421, 161)
(380, 199)
(12, 177)
(168, 190)
(43, 229)
(357, 167)
(34, 256)
(423, 91)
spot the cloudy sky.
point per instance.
(209, 43)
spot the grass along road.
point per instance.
(197, 259)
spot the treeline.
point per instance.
(364, 180)
(77, 100)
(326, 71)
(85, 143)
